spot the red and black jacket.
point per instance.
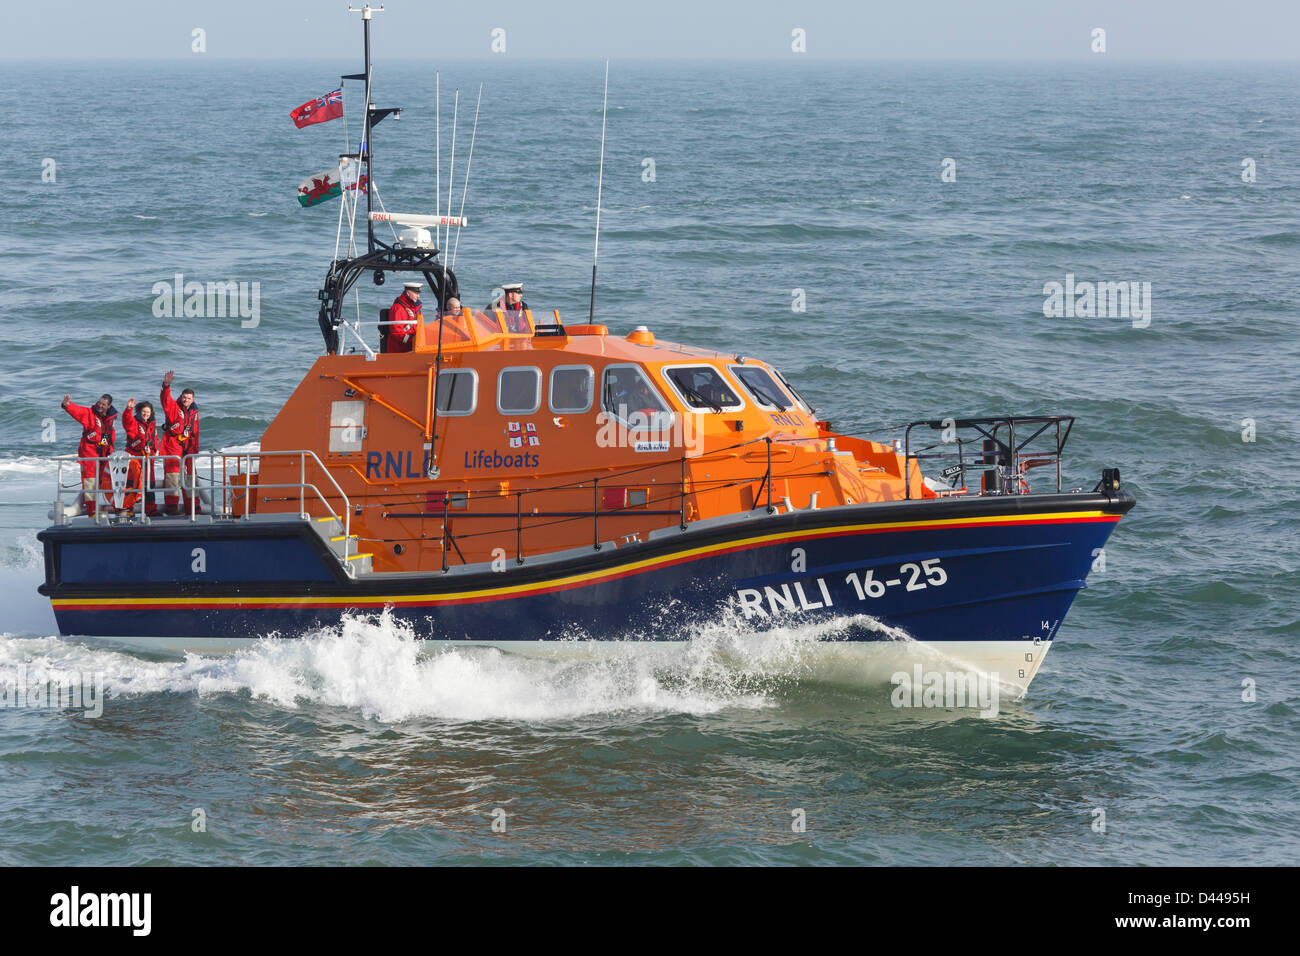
(181, 431)
(141, 437)
(97, 431)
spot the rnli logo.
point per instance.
(401, 464)
(518, 436)
(396, 464)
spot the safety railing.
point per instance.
(223, 481)
(454, 505)
(109, 496)
(996, 448)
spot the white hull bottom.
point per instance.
(933, 668)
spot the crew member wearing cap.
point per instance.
(404, 318)
(513, 305)
(97, 438)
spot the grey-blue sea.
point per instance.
(924, 298)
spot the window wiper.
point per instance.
(692, 393)
(762, 396)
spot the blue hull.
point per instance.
(982, 569)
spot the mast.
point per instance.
(367, 12)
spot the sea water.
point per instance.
(805, 213)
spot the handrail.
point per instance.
(1005, 459)
(1004, 452)
(243, 462)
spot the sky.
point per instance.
(1038, 30)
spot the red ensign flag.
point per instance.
(319, 110)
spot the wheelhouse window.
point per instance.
(457, 392)
(629, 396)
(519, 390)
(802, 402)
(762, 387)
(703, 387)
(571, 388)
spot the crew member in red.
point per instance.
(142, 443)
(97, 437)
(405, 316)
(180, 438)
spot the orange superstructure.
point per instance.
(489, 444)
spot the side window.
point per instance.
(347, 426)
(628, 395)
(519, 390)
(761, 387)
(571, 388)
(457, 392)
(797, 397)
(703, 387)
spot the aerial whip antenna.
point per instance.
(451, 176)
(468, 164)
(437, 150)
(591, 313)
(367, 12)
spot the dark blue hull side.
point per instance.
(984, 569)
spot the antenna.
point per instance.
(600, 182)
(465, 190)
(437, 148)
(451, 175)
(367, 12)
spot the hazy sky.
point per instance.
(691, 29)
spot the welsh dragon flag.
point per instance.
(321, 187)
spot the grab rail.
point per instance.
(191, 477)
(1002, 455)
(441, 506)
(1005, 461)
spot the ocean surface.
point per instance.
(924, 298)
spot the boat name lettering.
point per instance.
(867, 585)
(787, 418)
(396, 464)
(490, 458)
(786, 597)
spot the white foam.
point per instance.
(21, 552)
(377, 667)
(27, 465)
